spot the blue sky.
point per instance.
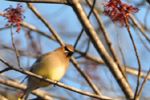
(63, 17)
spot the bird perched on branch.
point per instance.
(52, 65)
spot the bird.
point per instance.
(52, 65)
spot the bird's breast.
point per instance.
(52, 68)
(56, 73)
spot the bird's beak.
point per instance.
(69, 54)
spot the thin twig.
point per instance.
(88, 46)
(87, 78)
(55, 82)
(129, 70)
(141, 39)
(101, 49)
(137, 57)
(92, 9)
(33, 28)
(82, 30)
(142, 30)
(42, 1)
(143, 84)
(107, 39)
(78, 38)
(45, 22)
(4, 70)
(15, 49)
(146, 16)
(17, 85)
(61, 43)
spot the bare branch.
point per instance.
(142, 86)
(137, 57)
(107, 38)
(129, 70)
(15, 49)
(61, 43)
(54, 82)
(4, 70)
(17, 85)
(34, 10)
(142, 30)
(41, 1)
(101, 50)
(87, 78)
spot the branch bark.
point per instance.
(101, 50)
(58, 39)
(17, 85)
(42, 1)
(55, 83)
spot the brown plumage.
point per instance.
(52, 65)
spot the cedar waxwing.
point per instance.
(52, 65)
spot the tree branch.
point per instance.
(129, 70)
(41, 1)
(17, 85)
(101, 50)
(107, 39)
(54, 82)
(91, 84)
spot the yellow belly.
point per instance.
(54, 73)
(53, 69)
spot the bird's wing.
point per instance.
(39, 60)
